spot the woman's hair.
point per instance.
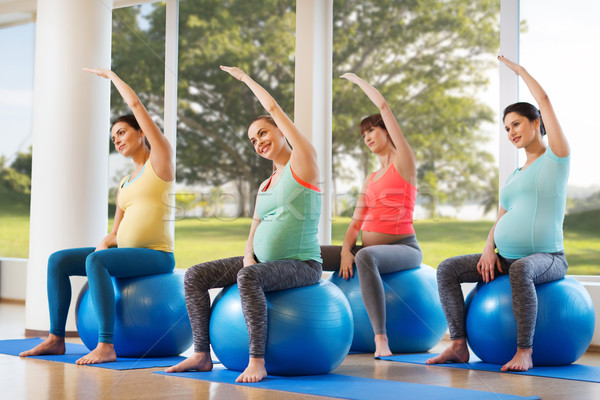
(371, 121)
(130, 120)
(374, 121)
(528, 111)
(267, 118)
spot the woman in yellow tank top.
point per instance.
(140, 242)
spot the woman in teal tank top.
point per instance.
(526, 242)
(282, 250)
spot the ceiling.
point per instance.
(19, 12)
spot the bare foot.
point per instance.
(520, 362)
(52, 345)
(196, 362)
(382, 349)
(456, 352)
(254, 372)
(104, 352)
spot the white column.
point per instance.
(313, 87)
(71, 114)
(171, 53)
(509, 83)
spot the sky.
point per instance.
(559, 49)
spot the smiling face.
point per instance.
(266, 138)
(520, 130)
(127, 139)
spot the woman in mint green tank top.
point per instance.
(526, 242)
(282, 250)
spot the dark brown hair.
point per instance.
(267, 118)
(130, 120)
(528, 111)
(371, 121)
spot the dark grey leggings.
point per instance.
(371, 262)
(524, 274)
(253, 281)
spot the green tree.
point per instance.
(17, 176)
(22, 163)
(428, 58)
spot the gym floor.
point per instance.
(38, 379)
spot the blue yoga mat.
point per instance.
(348, 387)
(75, 351)
(576, 372)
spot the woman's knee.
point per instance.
(446, 269)
(365, 260)
(248, 276)
(94, 263)
(57, 261)
(195, 278)
(63, 262)
(521, 271)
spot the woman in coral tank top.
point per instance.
(384, 214)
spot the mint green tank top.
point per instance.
(535, 200)
(289, 212)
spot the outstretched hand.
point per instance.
(104, 73)
(516, 68)
(234, 71)
(352, 77)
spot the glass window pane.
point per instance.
(558, 46)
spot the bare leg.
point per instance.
(456, 352)
(104, 352)
(382, 349)
(199, 361)
(520, 362)
(51, 346)
(254, 372)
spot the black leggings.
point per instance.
(524, 274)
(253, 281)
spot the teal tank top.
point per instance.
(289, 214)
(535, 200)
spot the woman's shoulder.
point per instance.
(550, 154)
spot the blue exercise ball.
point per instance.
(151, 318)
(415, 321)
(564, 326)
(309, 330)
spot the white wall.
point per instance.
(13, 278)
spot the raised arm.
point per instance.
(304, 156)
(161, 152)
(556, 138)
(405, 158)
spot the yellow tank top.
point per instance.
(148, 204)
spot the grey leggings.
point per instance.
(371, 262)
(524, 274)
(253, 281)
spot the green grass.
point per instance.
(14, 224)
(199, 240)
